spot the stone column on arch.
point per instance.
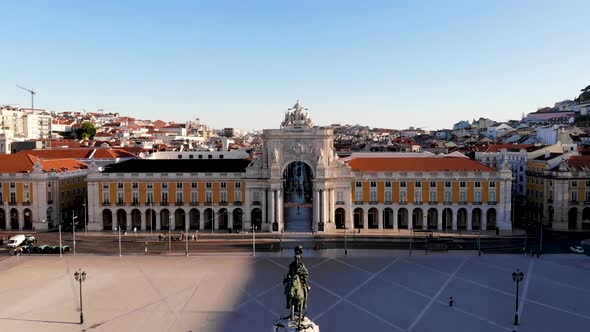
(230, 219)
(280, 221)
(143, 219)
(272, 208)
(201, 219)
(129, 221)
(469, 219)
(394, 218)
(349, 215)
(455, 218)
(316, 208)
(215, 217)
(439, 213)
(158, 220)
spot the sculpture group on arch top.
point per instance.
(296, 140)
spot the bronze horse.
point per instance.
(295, 298)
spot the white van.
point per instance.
(15, 241)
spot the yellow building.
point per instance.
(559, 191)
(394, 191)
(147, 194)
(297, 183)
(38, 193)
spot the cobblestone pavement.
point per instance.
(364, 291)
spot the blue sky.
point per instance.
(243, 63)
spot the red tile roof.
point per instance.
(581, 163)
(509, 147)
(24, 163)
(80, 153)
(423, 164)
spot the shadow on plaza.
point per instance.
(39, 321)
(262, 300)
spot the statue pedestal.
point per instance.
(287, 325)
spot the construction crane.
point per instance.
(33, 93)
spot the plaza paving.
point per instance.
(365, 291)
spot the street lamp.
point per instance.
(525, 231)
(74, 217)
(151, 226)
(411, 239)
(185, 235)
(85, 220)
(517, 276)
(479, 241)
(118, 229)
(253, 241)
(541, 239)
(80, 277)
(60, 246)
(345, 238)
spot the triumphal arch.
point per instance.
(296, 177)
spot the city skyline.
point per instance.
(237, 65)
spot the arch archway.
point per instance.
(359, 216)
(179, 219)
(107, 220)
(572, 218)
(402, 218)
(340, 218)
(2, 219)
(122, 219)
(476, 219)
(209, 219)
(194, 217)
(14, 219)
(432, 218)
(237, 219)
(256, 218)
(417, 218)
(297, 197)
(447, 219)
(28, 222)
(462, 219)
(136, 219)
(164, 219)
(388, 218)
(373, 218)
(223, 219)
(491, 219)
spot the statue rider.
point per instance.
(298, 268)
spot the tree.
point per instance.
(87, 131)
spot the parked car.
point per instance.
(30, 239)
(15, 241)
(577, 249)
